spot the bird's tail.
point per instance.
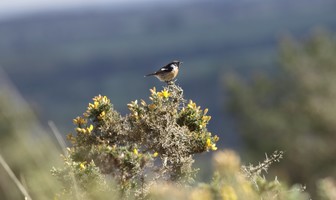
(152, 74)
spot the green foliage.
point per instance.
(293, 110)
(156, 141)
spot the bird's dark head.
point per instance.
(177, 63)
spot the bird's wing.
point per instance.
(167, 68)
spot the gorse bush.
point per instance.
(148, 154)
(156, 141)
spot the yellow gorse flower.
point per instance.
(81, 130)
(86, 130)
(135, 151)
(163, 94)
(91, 106)
(204, 122)
(79, 121)
(210, 145)
(90, 128)
(206, 118)
(82, 165)
(102, 115)
(155, 154)
(98, 101)
(101, 99)
(95, 105)
(105, 99)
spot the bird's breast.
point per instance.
(168, 76)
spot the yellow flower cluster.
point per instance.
(135, 151)
(79, 121)
(101, 115)
(82, 165)
(199, 117)
(139, 154)
(101, 99)
(95, 105)
(86, 130)
(210, 146)
(205, 121)
(157, 99)
(99, 107)
(164, 94)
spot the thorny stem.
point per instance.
(251, 170)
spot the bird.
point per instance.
(168, 72)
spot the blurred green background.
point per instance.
(58, 59)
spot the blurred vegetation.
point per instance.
(25, 147)
(293, 110)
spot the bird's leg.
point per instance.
(171, 82)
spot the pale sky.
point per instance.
(10, 8)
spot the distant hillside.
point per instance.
(60, 60)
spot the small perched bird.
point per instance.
(168, 72)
